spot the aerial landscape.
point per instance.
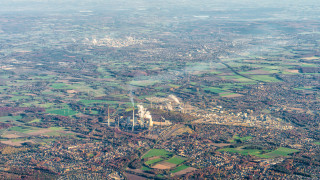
(145, 89)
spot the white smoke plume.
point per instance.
(174, 98)
(169, 106)
(144, 114)
(131, 96)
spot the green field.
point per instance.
(17, 98)
(281, 151)
(145, 168)
(56, 133)
(94, 112)
(60, 86)
(21, 129)
(62, 112)
(37, 104)
(214, 90)
(308, 65)
(35, 120)
(176, 160)
(9, 118)
(56, 128)
(252, 152)
(304, 88)
(160, 94)
(24, 129)
(45, 76)
(153, 161)
(174, 85)
(317, 143)
(179, 168)
(156, 152)
(235, 137)
(13, 119)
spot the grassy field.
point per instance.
(308, 65)
(14, 119)
(241, 150)
(174, 85)
(62, 112)
(304, 88)
(44, 77)
(214, 90)
(21, 129)
(317, 143)
(235, 137)
(17, 98)
(179, 168)
(52, 131)
(37, 104)
(56, 133)
(153, 161)
(35, 120)
(281, 151)
(56, 128)
(60, 86)
(156, 152)
(145, 168)
(176, 160)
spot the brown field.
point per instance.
(185, 171)
(152, 158)
(12, 136)
(133, 177)
(164, 165)
(39, 132)
(71, 91)
(182, 130)
(233, 95)
(293, 70)
(220, 144)
(18, 143)
(295, 109)
(310, 58)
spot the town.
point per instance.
(158, 93)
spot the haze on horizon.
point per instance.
(287, 9)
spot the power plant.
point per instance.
(143, 118)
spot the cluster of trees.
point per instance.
(11, 150)
(5, 111)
